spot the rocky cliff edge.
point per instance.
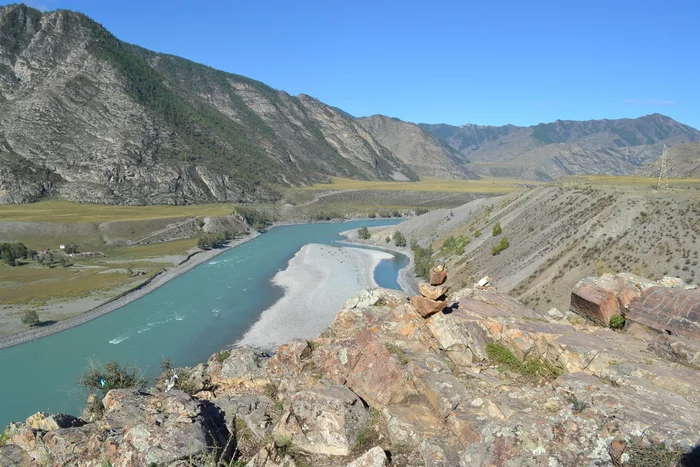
(484, 381)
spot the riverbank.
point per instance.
(308, 305)
(191, 261)
(406, 279)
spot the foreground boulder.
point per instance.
(324, 421)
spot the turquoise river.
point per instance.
(187, 319)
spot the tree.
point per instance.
(364, 234)
(30, 317)
(8, 257)
(399, 239)
(497, 229)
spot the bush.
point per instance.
(399, 239)
(30, 317)
(112, 375)
(387, 239)
(497, 229)
(477, 234)
(363, 233)
(617, 321)
(502, 245)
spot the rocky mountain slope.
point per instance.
(559, 234)
(86, 117)
(484, 381)
(682, 161)
(550, 150)
(418, 149)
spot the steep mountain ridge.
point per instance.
(418, 149)
(115, 123)
(551, 150)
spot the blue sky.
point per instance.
(486, 62)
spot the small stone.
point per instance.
(375, 457)
(555, 314)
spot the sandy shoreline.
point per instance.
(406, 279)
(129, 296)
(307, 307)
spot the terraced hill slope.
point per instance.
(560, 234)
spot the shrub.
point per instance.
(364, 234)
(30, 317)
(502, 245)
(477, 234)
(497, 229)
(422, 259)
(387, 239)
(399, 239)
(617, 321)
(112, 375)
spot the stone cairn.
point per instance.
(432, 297)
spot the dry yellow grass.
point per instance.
(628, 180)
(37, 285)
(427, 184)
(154, 250)
(65, 212)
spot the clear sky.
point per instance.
(483, 62)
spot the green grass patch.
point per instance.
(533, 368)
(399, 352)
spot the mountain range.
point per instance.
(87, 117)
(551, 150)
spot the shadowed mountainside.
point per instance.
(417, 148)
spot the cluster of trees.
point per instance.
(422, 259)
(385, 214)
(363, 233)
(456, 245)
(11, 252)
(208, 241)
(256, 218)
(399, 239)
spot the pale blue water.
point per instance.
(178, 320)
